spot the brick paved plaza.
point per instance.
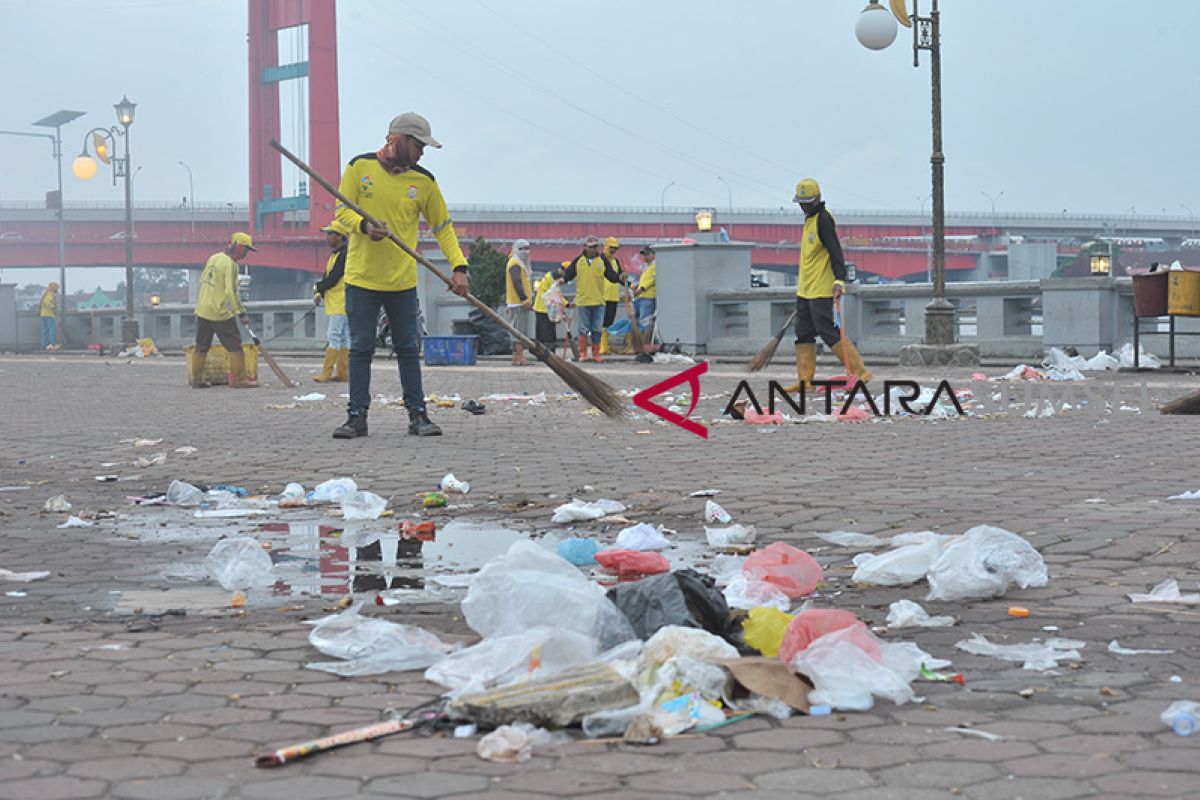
(99, 700)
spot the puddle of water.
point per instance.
(319, 556)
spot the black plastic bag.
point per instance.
(684, 598)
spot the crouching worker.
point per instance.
(821, 281)
(216, 308)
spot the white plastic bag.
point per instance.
(851, 539)
(501, 660)
(673, 640)
(1034, 655)
(1165, 592)
(907, 614)
(333, 491)
(982, 563)
(1145, 360)
(372, 646)
(746, 592)
(183, 494)
(1100, 362)
(576, 511)
(642, 536)
(845, 676)
(725, 568)
(530, 586)
(363, 505)
(733, 536)
(515, 743)
(905, 564)
(292, 496)
(453, 484)
(239, 562)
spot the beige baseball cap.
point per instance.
(415, 126)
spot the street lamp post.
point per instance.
(992, 200)
(876, 29)
(729, 190)
(84, 167)
(191, 197)
(662, 211)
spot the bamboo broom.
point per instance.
(589, 387)
(765, 355)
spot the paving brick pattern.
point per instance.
(96, 701)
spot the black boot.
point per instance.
(354, 426)
(419, 424)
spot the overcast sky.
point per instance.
(1086, 106)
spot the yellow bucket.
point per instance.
(216, 366)
(1183, 293)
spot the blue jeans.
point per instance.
(362, 310)
(589, 322)
(644, 308)
(338, 334)
(49, 332)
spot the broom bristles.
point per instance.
(1188, 404)
(589, 387)
(765, 355)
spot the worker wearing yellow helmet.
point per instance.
(821, 279)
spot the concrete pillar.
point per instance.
(686, 274)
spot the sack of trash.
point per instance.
(239, 562)
(684, 598)
(982, 563)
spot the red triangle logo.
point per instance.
(690, 376)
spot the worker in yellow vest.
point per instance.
(590, 269)
(821, 278)
(331, 292)
(518, 295)
(612, 292)
(216, 309)
(48, 311)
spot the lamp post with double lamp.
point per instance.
(103, 141)
(875, 30)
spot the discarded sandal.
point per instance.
(474, 407)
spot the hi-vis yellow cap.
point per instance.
(807, 191)
(242, 238)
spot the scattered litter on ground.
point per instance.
(186, 450)
(1192, 495)
(642, 536)
(714, 514)
(851, 539)
(311, 397)
(435, 500)
(789, 568)
(1165, 592)
(75, 522)
(705, 493)
(1018, 611)
(292, 496)
(982, 563)
(1034, 655)
(333, 491)
(453, 484)
(155, 460)
(907, 614)
(732, 536)
(183, 494)
(578, 551)
(142, 442)
(239, 562)
(1145, 360)
(582, 511)
(363, 506)
(370, 646)
(991, 737)
(515, 743)
(847, 675)
(1182, 716)
(1115, 647)
(631, 563)
(22, 577)
(908, 561)
(14, 488)
(673, 358)
(56, 504)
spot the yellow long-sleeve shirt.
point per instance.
(49, 306)
(612, 289)
(400, 200)
(218, 300)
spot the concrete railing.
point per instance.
(1007, 319)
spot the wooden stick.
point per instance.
(589, 387)
(279, 373)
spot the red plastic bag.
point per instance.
(790, 568)
(808, 626)
(625, 563)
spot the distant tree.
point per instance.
(156, 280)
(487, 272)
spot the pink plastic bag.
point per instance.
(808, 626)
(852, 414)
(790, 568)
(626, 563)
(754, 418)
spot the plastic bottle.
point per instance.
(1183, 716)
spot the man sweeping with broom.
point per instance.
(821, 282)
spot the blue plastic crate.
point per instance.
(450, 350)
